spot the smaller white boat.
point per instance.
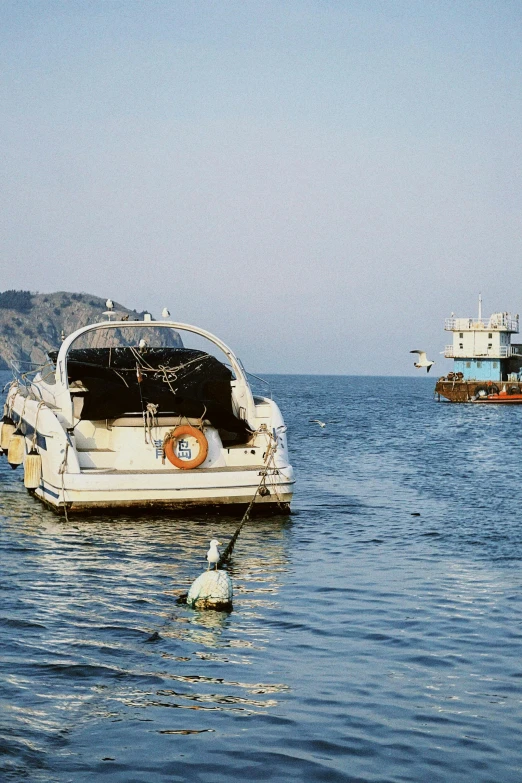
(126, 415)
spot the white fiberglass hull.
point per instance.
(79, 477)
(215, 487)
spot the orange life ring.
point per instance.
(177, 434)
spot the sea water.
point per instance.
(376, 632)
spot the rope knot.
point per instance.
(151, 419)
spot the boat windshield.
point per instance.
(135, 334)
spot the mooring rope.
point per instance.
(182, 599)
(230, 546)
(151, 420)
(61, 470)
(38, 409)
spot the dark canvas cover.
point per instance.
(180, 381)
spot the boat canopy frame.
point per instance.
(240, 386)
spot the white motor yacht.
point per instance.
(125, 415)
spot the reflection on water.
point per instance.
(86, 597)
(365, 644)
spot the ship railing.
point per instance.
(502, 352)
(500, 322)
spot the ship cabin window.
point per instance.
(490, 336)
(495, 365)
(468, 365)
(479, 364)
(461, 335)
(461, 346)
(490, 345)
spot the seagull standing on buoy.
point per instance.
(165, 313)
(213, 553)
(423, 361)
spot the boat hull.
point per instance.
(465, 391)
(193, 489)
(70, 478)
(217, 505)
(497, 399)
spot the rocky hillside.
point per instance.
(32, 324)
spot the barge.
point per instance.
(487, 365)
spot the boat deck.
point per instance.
(176, 471)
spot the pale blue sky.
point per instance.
(320, 183)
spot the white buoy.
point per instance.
(7, 430)
(211, 590)
(32, 470)
(16, 449)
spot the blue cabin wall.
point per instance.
(479, 369)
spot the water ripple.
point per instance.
(375, 635)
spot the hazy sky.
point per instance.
(319, 182)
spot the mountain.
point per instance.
(32, 324)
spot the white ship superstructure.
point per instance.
(482, 347)
(486, 363)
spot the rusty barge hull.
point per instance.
(466, 390)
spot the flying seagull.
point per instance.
(423, 361)
(316, 421)
(213, 554)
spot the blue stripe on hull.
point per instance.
(49, 491)
(28, 430)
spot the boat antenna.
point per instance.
(480, 307)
